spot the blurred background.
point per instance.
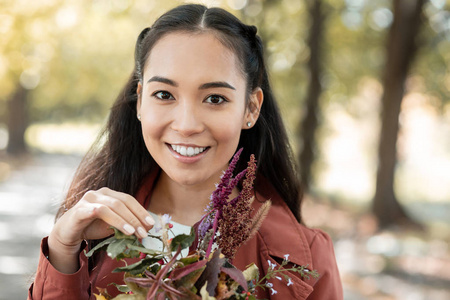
(363, 86)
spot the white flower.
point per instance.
(273, 291)
(286, 257)
(157, 228)
(271, 265)
(278, 277)
(269, 285)
(289, 282)
(165, 219)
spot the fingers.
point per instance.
(119, 210)
(133, 205)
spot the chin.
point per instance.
(188, 181)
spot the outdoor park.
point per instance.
(364, 90)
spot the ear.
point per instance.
(138, 103)
(253, 109)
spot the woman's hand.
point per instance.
(91, 218)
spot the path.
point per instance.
(29, 199)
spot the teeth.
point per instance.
(188, 151)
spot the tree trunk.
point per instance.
(309, 123)
(401, 49)
(17, 121)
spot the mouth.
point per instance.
(187, 151)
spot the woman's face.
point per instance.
(192, 106)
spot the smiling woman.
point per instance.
(194, 101)
(199, 92)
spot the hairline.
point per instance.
(223, 38)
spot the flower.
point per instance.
(271, 265)
(289, 282)
(227, 224)
(165, 219)
(232, 219)
(157, 228)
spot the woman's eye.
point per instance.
(163, 95)
(215, 99)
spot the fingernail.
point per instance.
(142, 232)
(128, 228)
(150, 221)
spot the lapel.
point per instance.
(282, 234)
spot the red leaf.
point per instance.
(236, 275)
(181, 272)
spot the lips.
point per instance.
(188, 151)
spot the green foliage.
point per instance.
(77, 56)
(183, 240)
(138, 267)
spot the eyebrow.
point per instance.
(208, 85)
(163, 80)
(216, 84)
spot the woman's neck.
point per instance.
(185, 204)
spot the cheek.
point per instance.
(227, 132)
(152, 125)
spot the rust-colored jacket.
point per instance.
(279, 234)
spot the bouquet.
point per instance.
(206, 272)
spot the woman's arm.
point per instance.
(49, 283)
(329, 285)
(62, 270)
(91, 219)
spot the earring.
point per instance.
(139, 117)
(249, 124)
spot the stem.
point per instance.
(159, 277)
(216, 217)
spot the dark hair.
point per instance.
(120, 160)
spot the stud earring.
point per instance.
(139, 117)
(249, 124)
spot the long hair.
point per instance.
(120, 160)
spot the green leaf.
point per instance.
(116, 247)
(101, 245)
(190, 259)
(145, 250)
(122, 236)
(138, 267)
(122, 288)
(183, 240)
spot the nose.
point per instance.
(187, 119)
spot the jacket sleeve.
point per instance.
(51, 284)
(329, 285)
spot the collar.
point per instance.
(146, 187)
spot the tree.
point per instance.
(310, 121)
(400, 52)
(17, 121)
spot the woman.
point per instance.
(199, 92)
